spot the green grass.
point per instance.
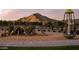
(40, 48)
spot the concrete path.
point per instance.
(41, 43)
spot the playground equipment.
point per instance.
(69, 24)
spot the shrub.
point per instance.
(77, 32)
(3, 35)
(69, 36)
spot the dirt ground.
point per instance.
(55, 36)
(32, 38)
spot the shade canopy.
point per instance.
(69, 11)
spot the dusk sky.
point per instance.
(14, 14)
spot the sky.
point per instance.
(14, 14)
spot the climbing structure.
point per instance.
(69, 23)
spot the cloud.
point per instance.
(14, 14)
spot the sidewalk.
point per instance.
(41, 43)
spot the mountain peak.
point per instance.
(36, 17)
(37, 14)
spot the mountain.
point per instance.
(77, 21)
(36, 18)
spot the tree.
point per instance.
(30, 30)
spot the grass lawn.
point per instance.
(40, 48)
